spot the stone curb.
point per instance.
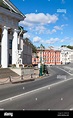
(24, 80)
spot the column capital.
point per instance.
(16, 30)
(5, 27)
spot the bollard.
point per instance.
(40, 73)
(21, 77)
(10, 79)
(31, 76)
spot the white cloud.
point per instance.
(57, 28)
(26, 35)
(65, 39)
(62, 40)
(52, 40)
(40, 18)
(53, 31)
(63, 1)
(40, 29)
(71, 42)
(37, 39)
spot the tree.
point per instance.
(63, 46)
(70, 47)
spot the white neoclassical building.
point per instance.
(66, 55)
(10, 16)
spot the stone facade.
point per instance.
(10, 17)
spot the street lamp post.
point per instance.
(55, 57)
(41, 61)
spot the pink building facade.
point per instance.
(47, 56)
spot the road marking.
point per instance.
(10, 98)
(61, 99)
(36, 99)
(1, 109)
(71, 109)
(48, 109)
(32, 91)
(23, 87)
(49, 87)
(64, 70)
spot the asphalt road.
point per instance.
(49, 98)
(39, 94)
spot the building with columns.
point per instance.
(10, 16)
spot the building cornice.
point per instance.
(12, 7)
(11, 14)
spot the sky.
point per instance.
(48, 22)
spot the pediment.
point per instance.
(6, 4)
(3, 5)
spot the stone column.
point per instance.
(4, 48)
(14, 46)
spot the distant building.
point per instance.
(48, 56)
(66, 55)
(53, 56)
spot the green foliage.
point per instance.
(68, 46)
(63, 46)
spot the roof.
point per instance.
(3, 5)
(65, 49)
(7, 4)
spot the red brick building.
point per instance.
(47, 56)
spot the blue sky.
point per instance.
(48, 22)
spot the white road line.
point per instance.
(1, 109)
(65, 71)
(32, 91)
(61, 99)
(71, 109)
(36, 99)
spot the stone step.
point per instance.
(6, 72)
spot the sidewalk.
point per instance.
(15, 79)
(19, 79)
